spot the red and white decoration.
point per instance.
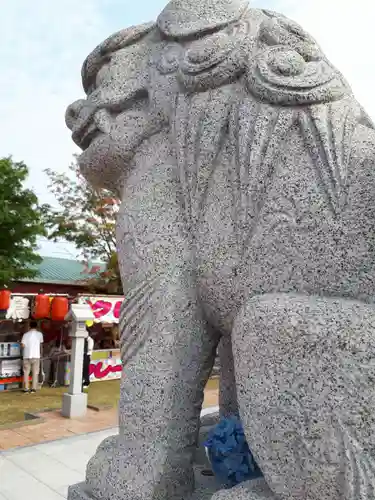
(106, 309)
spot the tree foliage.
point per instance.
(108, 281)
(20, 223)
(85, 216)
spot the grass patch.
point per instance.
(14, 404)
(213, 384)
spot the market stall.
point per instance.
(50, 310)
(15, 312)
(105, 360)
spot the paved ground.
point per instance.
(44, 471)
(55, 426)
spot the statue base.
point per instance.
(74, 405)
(206, 487)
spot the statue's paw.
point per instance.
(257, 489)
(116, 471)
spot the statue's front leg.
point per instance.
(168, 356)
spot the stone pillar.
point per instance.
(75, 401)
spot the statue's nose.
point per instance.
(73, 111)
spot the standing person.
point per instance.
(58, 353)
(31, 343)
(89, 346)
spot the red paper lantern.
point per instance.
(5, 299)
(59, 308)
(41, 307)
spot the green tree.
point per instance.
(20, 223)
(108, 281)
(85, 216)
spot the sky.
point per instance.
(44, 42)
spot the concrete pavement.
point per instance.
(44, 471)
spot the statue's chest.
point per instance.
(292, 239)
(276, 215)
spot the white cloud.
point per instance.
(43, 45)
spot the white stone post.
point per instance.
(75, 401)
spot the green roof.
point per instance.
(64, 271)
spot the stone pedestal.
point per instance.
(74, 405)
(205, 487)
(75, 401)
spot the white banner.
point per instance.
(106, 309)
(19, 308)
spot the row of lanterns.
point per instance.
(55, 308)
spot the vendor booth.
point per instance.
(50, 311)
(15, 313)
(105, 360)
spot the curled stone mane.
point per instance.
(281, 63)
(290, 69)
(261, 69)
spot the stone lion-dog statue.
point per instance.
(245, 169)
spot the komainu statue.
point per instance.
(245, 167)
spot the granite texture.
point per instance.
(227, 388)
(244, 165)
(249, 490)
(307, 365)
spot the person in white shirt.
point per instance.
(89, 346)
(31, 343)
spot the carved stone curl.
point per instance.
(290, 69)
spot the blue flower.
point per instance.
(230, 456)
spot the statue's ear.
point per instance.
(187, 18)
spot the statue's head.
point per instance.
(134, 78)
(111, 123)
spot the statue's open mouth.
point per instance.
(85, 135)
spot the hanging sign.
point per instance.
(106, 309)
(104, 365)
(105, 369)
